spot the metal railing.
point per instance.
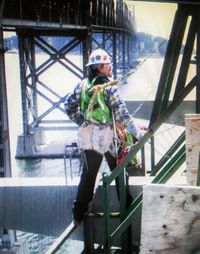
(169, 168)
(165, 168)
(61, 239)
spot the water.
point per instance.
(39, 244)
(141, 86)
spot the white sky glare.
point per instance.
(154, 18)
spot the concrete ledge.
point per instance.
(37, 181)
(36, 205)
(43, 205)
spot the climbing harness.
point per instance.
(93, 103)
(96, 132)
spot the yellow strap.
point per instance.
(96, 88)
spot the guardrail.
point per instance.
(127, 215)
(61, 239)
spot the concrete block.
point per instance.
(25, 145)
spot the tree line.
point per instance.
(144, 45)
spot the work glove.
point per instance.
(137, 132)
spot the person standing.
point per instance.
(95, 105)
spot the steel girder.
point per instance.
(176, 53)
(120, 46)
(66, 14)
(173, 53)
(5, 163)
(33, 86)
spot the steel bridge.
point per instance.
(78, 27)
(110, 25)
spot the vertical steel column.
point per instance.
(114, 55)
(171, 58)
(125, 237)
(128, 53)
(186, 59)
(104, 39)
(168, 70)
(119, 58)
(5, 162)
(178, 42)
(131, 47)
(106, 192)
(87, 234)
(123, 54)
(21, 41)
(33, 78)
(197, 19)
(87, 47)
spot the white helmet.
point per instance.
(99, 56)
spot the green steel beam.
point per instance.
(107, 244)
(168, 154)
(122, 191)
(133, 210)
(186, 59)
(169, 65)
(162, 177)
(178, 30)
(152, 147)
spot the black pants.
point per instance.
(92, 163)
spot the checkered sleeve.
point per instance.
(120, 111)
(72, 105)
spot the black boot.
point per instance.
(78, 213)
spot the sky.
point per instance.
(154, 18)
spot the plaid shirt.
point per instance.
(113, 100)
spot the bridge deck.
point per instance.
(43, 205)
(52, 151)
(171, 1)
